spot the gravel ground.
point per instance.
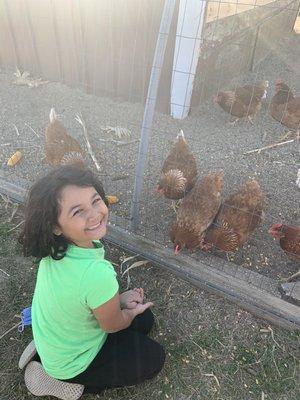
(215, 142)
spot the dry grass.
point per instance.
(215, 351)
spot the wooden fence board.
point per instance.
(106, 47)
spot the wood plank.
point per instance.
(42, 19)
(106, 48)
(35, 61)
(102, 45)
(209, 277)
(259, 302)
(13, 189)
(8, 50)
(65, 26)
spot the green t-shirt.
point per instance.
(66, 333)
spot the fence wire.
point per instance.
(95, 58)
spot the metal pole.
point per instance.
(254, 49)
(159, 54)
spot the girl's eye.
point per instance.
(97, 200)
(77, 212)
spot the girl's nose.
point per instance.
(93, 215)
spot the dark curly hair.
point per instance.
(42, 211)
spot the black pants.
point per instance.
(127, 357)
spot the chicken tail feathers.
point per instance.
(73, 158)
(52, 115)
(180, 135)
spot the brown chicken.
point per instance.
(179, 171)
(197, 211)
(244, 101)
(60, 147)
(239, 216)
(285, 107)
(289, 239)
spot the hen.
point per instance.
(60, 147)
(289, 239)
(197, 211)
(179, 170)
(285, 107)
(244, 101)
(239, 216)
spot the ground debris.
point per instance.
(81, 121)
(119, 131)
(270, 146)
(23, 78)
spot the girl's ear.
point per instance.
(57, 231)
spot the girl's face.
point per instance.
(83, 215)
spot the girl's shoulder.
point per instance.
(100, 268)
(99, 283)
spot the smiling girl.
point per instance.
(86, 334)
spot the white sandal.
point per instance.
(39, 383)
(27, 355)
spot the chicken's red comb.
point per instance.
(159, 190)
(176, 249)
(278, 82)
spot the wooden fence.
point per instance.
(104, 47)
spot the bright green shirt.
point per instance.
(66, 333)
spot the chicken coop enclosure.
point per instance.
(137, 73)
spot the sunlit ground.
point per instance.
(220, 9)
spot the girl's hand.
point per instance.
(140, 308)
(141, 292)
(131, 298)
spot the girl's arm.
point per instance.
(112, 319)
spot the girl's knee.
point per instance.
(158, 359)
(162, 356)
(143, 323)
(148, 320)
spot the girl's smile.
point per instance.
(83, 215)
(94, 227)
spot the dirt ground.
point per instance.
(215, 351)
(215, 142)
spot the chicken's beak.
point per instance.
(176, 249)
(215, 99)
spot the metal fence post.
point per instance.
(252, 59)
(158, 59)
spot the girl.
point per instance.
(85, 332)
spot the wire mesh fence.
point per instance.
(95, 59)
